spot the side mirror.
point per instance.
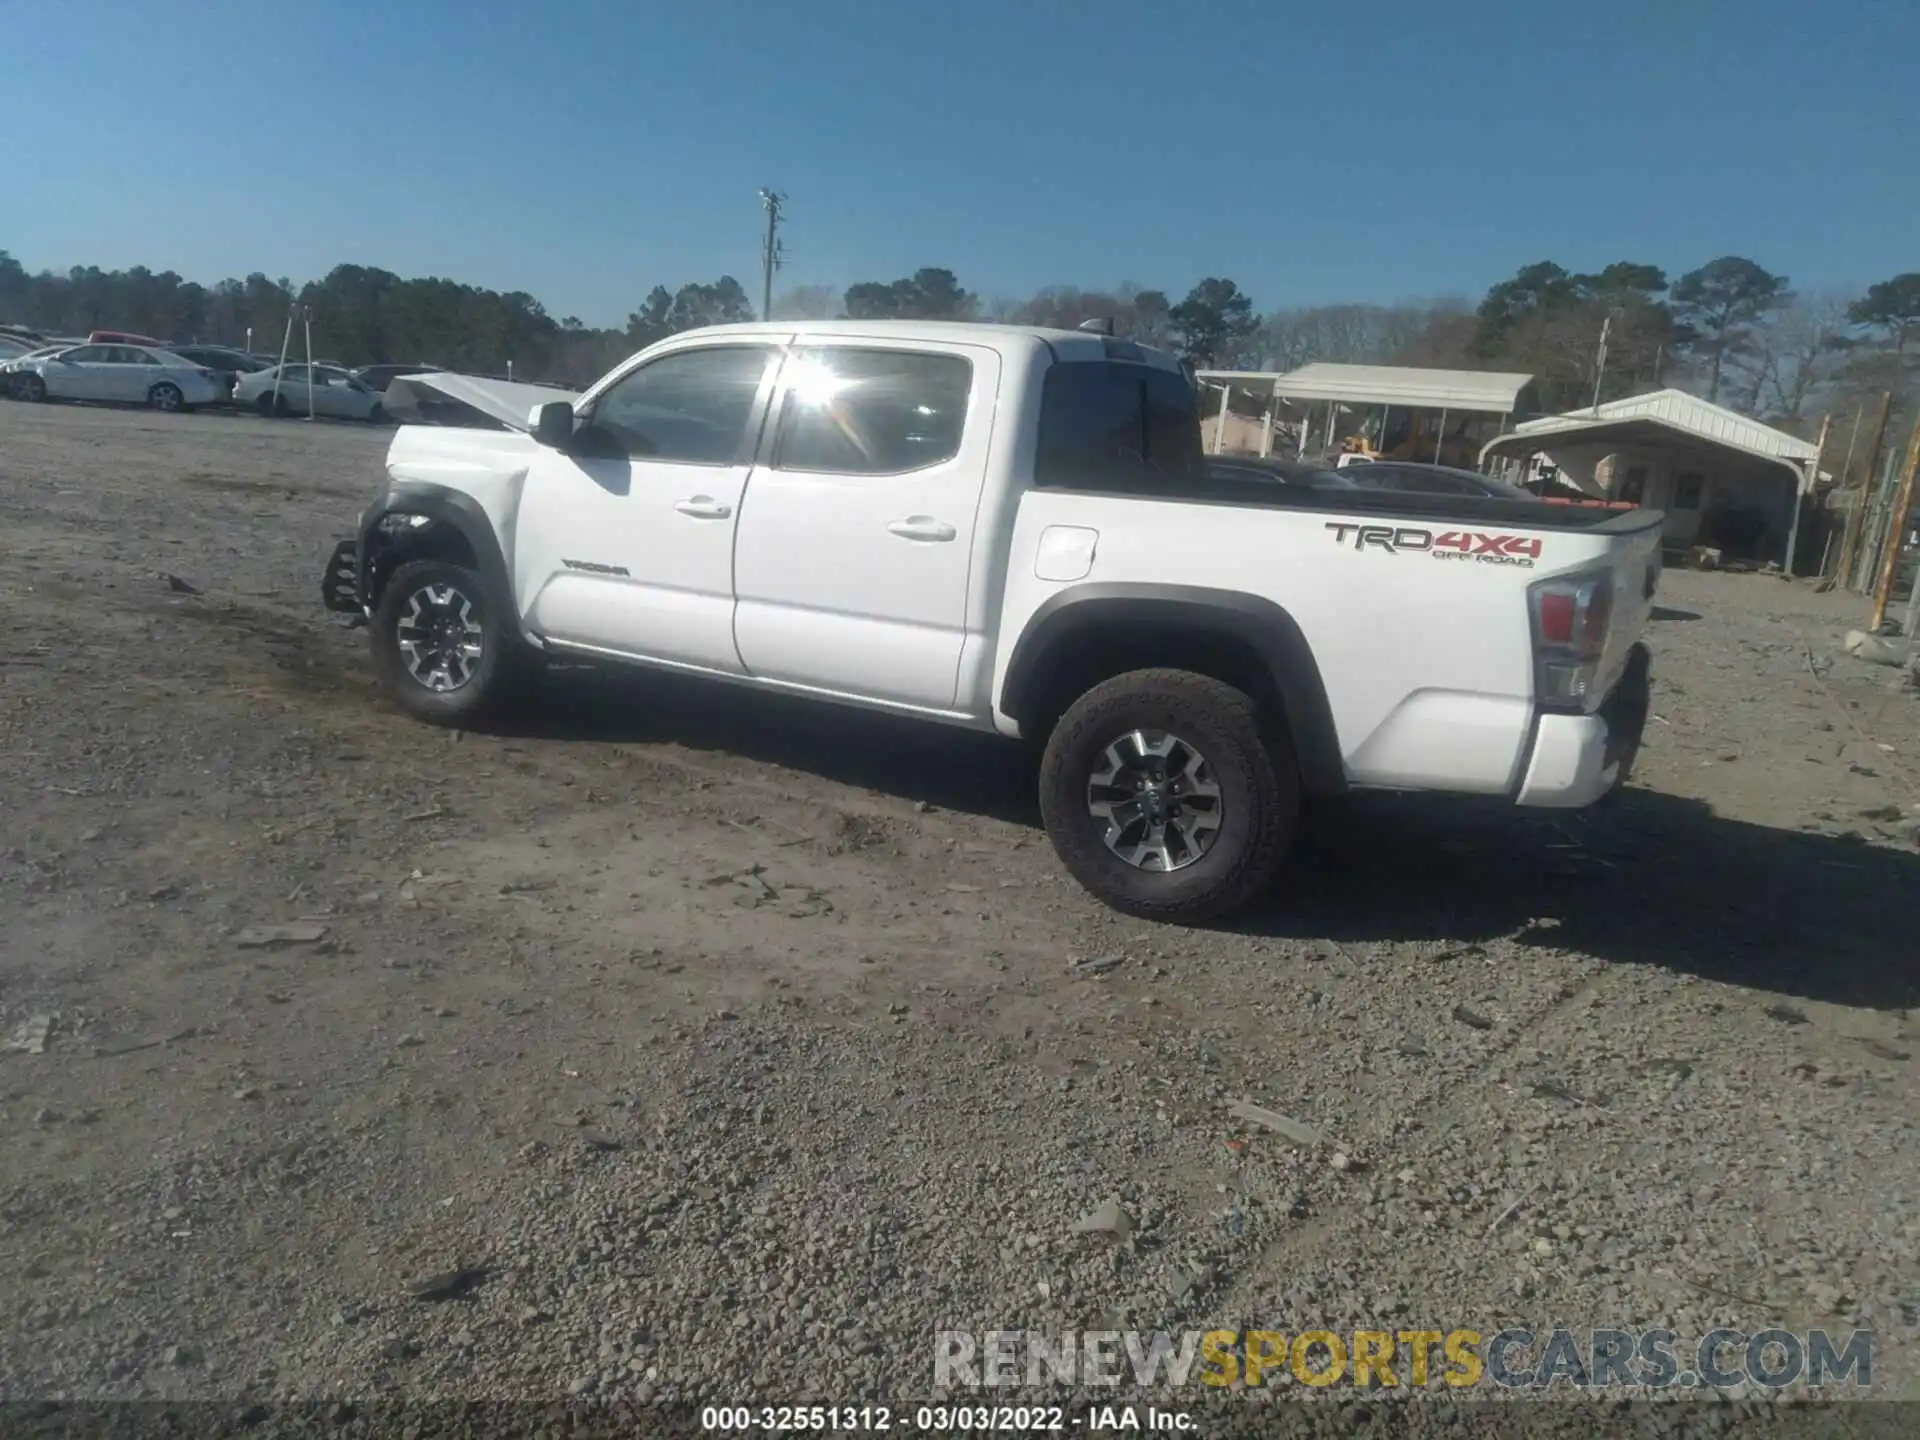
(551, 424)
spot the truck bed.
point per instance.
(1413, 609)
(1279, 494)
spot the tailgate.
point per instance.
(1633, 555)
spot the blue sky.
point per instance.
(587, 151)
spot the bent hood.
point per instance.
(472, 401)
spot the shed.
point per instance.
(1721, 478)
(1257, 384)
(1483, 392)
(1391, 387)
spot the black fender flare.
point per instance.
(1264, 626)
(454, 509)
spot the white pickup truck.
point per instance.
(1015, 530)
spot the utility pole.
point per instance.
(771, 254)
(1850, 538)
(1896, 534)
(306, 316)
(1600, 358)
(1800, 496)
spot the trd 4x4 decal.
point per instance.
(1474, 545)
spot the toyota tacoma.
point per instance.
(1015, 531)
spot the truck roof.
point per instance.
(1066, 344)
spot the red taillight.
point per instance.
(1555, 609)
(1572, 614)
(1570, 619)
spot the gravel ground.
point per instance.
(732, 1047)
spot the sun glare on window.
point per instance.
(812, 382)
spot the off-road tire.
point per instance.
(1249, 758)
(500, 673)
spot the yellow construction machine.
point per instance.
(1416, 435)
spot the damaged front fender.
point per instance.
(417, 522)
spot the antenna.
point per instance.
(772, 252)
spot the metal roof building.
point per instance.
(1406, 387)
(1665, 412)
(1485, 392)
(1675, 452)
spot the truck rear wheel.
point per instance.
(1166, 797)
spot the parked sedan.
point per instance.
(1294, 474)
(13, 352)
(308, 389)
(378, 377)
(13, 359)
(135, 374)
(1410, 477)
(228, 365)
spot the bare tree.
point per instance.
(1143, 315)
(1148, 314)
(1350, 334)
(1445, 339)
(1789, 356)
(806, 302)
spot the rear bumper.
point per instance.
(1578, 759)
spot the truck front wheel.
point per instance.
(441, 644)
(1166, 797)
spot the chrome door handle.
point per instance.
(922, 527)
(703, 507)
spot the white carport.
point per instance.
(1451, 392)
(1255, 383)
(1485, 392)
(1705, 466)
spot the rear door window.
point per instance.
(848, 411)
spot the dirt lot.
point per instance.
(682, 1015)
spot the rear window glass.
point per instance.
(1110, 425)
